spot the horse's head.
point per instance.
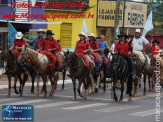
(68, 59)
(115, 62)
(5, 55)
(24, 55)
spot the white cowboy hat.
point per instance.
(91, 35)
(40, 30)
(19, 35)
(82, 34)
(138, 31)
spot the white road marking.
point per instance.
(26, 102)
(9, 99)
(54, 104)
(85, 106)
(119, 108)
(90, 98)
(145, 113)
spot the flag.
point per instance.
(11, 33)
(148, 25)
(84, 28)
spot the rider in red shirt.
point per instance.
(19, 43)
(124, 47)
(82, 47)
(49, 43)
(60, 48)
(155, 47)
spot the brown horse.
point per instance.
(77, 71)
(41, 64)
(13, 70)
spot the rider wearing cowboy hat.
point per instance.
(38, 40)
(155, 47)
(49, 43)
(123, 47)
(19, 43)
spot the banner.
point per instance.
(135, 15)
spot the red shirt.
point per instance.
(82, 46)
(122, 48)
(59, 50)
(19, 43)
(155, 50)
(94, 45)
(50, 44)
(39, 43)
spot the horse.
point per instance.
(119, 69)
(13, 70)
(77, 71)
(41, 64)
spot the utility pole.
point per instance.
(124, 8)
(116, 22)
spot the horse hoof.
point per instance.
(85, 98)
(120, 101)
(134, 95)
(45, 96)
(16, 92)
(8, 95)
(81, 95)
(149, 90)
(36, 96)
(96, 90)
(74, 99)
(32, 91)
(130, 99)
(50, 95)
(144, 94)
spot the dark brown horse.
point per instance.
(77, 71)
(13, 70)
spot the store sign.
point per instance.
(135, 15)
(106, 13)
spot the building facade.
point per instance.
(68, 31)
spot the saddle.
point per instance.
(55, 60)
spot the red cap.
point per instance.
(102, 36)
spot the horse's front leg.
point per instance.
(145, 75)
(52, 86)
(86, 85)
(135, 86)
(122, 89)
(38, 81)
(15, 81)
(9, 86)
(79, 87)
(33, 75)
(64, 75)
(44, 85)
(74, 88)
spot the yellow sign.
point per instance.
(135, 15)
(106, 13)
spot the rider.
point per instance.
(155, 47)
(19, 43)
(113, 45)
(94, 48)
(60, 48)
(138, 44)
(103, 46)
(38, 40)
(123, 47)
(51, 45)
(82, 48)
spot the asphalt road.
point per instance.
(97, 108)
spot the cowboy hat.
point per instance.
(19, 35)
(49, 32)
(82, 34)
(155, 41)
(122, 34)
(40, 30)
(137, 31)
(91, 35)
(102, 36)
